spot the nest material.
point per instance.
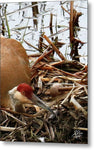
(69, 104)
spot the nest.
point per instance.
(63, 87)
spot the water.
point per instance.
(21, 23)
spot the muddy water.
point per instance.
(25, 23)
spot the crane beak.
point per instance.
(40, 103)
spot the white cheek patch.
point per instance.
(23, 99)
(17, 97)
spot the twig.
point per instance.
(51, 19)
(54, 68)
(18, 10)
(31, 45)
(2, 128)
(7, 25)
(81, 128)
(66, 98)
(42, 56)
(24, 32)
(16, 119)
(65, 9)
(77, 106)
(34, 55)
(55, 48)
(58, 32)
(47, 130)
(71, 21)
(52, 133)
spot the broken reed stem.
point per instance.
(71, 21)
(7, 25)
(81, 128)
(51, 18)
(66, 98)
(34, 55)
(65, 10)
(50, 67)
(77, 106)
(9, 129)
(31, 45)
(24, 32)
(52, 133)
(42, 56)
(55, 48)
(16, 119)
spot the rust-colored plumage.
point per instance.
(14, 68)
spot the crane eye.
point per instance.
(23, 93)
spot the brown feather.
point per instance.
(14, 68)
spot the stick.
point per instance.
(16, 119)
(65, 9)
(71, 21)
(66, 98)
(55, 48)
(42, 56)
(51, 18)
(7, 25)
(77, 106)
(7, 128)
(32, 45)
(81, 128)
(47, 66)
